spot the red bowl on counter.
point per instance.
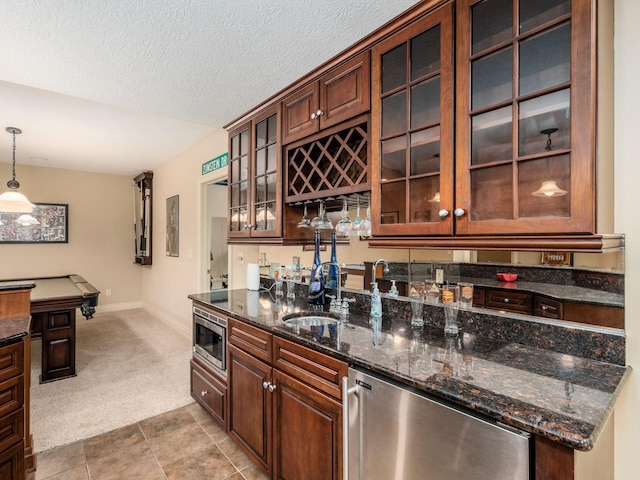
(507, 277)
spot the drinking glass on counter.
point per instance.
(451, 301)
(416, 295)
(432, 293)
(466, 295)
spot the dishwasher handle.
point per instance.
(346, 392)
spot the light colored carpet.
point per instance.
(130, 366)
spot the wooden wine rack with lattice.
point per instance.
(335, 164)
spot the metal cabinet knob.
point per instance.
(203, 393)
(459, 212)
(544, 308)
(506, 300)
(247, 226)
(316, 114)
(272, 387)
(265, 385)
(443, 213)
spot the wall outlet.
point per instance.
(439, 276)
(107, 292)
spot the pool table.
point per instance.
(53, 319)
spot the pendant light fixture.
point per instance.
(549, 188)
(12, 201)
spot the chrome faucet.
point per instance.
(336, 301)
(373, 269)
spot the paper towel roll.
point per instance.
(253, 276)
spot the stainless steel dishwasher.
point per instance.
(392, 433)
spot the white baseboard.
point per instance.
(169, 320)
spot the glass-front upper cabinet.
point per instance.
(525, 133)
(412, 128)
(254, 180)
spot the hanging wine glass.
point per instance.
(365, 226)
(304, 221)
(343, 227)
(356, 225)
(325, 223)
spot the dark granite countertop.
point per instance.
(555, 291)
(566, 398)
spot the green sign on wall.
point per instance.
(215, 163)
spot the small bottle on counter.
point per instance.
(393, 291)
(332, 277)
(376, 301)
(316, 281)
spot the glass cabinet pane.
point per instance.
(271, 186)
(545, 59)
(394, 114)
(425, 53)
(544, 187)
(425, 103)
(244, 142)
(425, 151)
(272, 158)
(538, 12)
(261, 134)
(394, 158)
(424, 200)
(260, 189)
(492, 193)
(272, 129)
(491, 136)
(492, 22)
(491, 79)
(544, 123)
(394, 68)
(393, 208)
(261, 162)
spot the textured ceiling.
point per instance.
(121, 86)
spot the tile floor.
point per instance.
(181, 444)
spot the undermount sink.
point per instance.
(310, 319)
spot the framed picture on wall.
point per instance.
(48, 223)
(173, 226)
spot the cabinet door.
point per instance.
(254, 178)
(250, 406)
(299, 113)
(525, 110)
(412, 128)
(345, 91)
(308, 432)
(239, 163)
(266, 184)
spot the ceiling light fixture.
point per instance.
(12, 201)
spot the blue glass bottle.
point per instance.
(316, 282)
(332, 278)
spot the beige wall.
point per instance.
(100, 244)
(167, 283)
(627, 176)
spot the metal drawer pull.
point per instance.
(272, 387)
(203, 393)
(506, 300)
(265, 385)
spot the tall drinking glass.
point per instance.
(451, 301)
(416, 295)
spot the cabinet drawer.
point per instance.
(252, 340)
(546, 307)
(11, 429)
(316, 369)
(209, 392)
(603, 315)
(11, 360)
(508, 301)
(11, 394)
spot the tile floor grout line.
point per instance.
(146, 441)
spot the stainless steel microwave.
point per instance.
(210, 339)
